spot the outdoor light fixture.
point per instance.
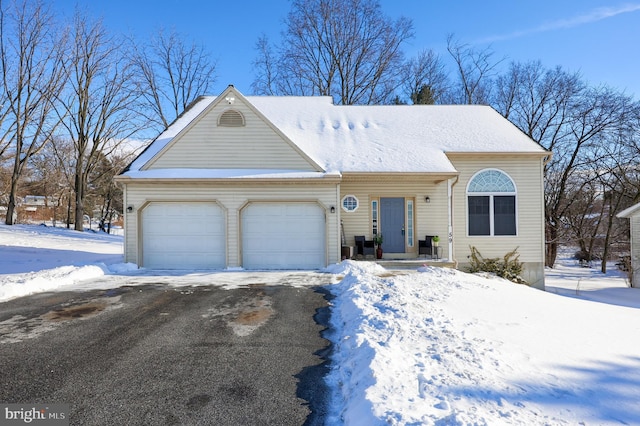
(332, 209)
(427, 199)
(129, 209)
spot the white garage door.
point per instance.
(283, 236)
(183, 236)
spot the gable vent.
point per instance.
(231, 118)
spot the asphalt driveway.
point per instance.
(151, 354)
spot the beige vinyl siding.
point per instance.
(635, 248)
(232, 198)
(254, 146)
(526, 172)
(430, 218)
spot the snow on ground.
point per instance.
(29, 248)
(433, 346)
(42, 258)
(569, 279)
(445, 347)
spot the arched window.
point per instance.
(491, 204)
(231, 118)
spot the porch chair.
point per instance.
(426, 246)
(364, 247)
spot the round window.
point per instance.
(349, 203)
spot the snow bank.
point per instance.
(36, 282)
(36, 259)
(64, 277)
(354, 268)
(445, 347)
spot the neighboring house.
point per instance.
(37, 207)
(265, 183)
(38, 201)
(633, 214)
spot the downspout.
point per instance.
(338, 225)
(545, 161)
(125, 221)
(450, 184)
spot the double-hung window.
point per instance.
(491, 204)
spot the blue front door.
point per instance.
(392, 224)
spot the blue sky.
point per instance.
(599, 38)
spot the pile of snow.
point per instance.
(446, 347)
(354, 268)
(37, 282)
(43, 258)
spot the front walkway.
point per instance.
(408, 263)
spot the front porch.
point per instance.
(413, 263)
(410, 263)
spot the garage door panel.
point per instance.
(283, 236)
(181, 245)
(183, 236)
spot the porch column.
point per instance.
(450, 183)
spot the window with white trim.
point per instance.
(374, 217)
(349, 203)
(410, 223)
(491, 204)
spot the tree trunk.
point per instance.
(605, 255)
(110, 219)
(613, 207)
(551, 245)
(607, 236)
(11, 207)
(79, 211)
(106, 217)
(68, 211)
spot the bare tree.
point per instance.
(54, 168)
(599, 114)
(615, 199)
(172, 74)
(346, 49)
(98, 109)
(584, 216)
(107, 196)
(46, 178)
(630, 157)
(425, 78)
(543, 104)
(584, 128)
(266, 79)
(475, 69)
(616, 159)
(31, 62)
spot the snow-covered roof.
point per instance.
(629, 211)
(392, 138)
(378, 139)
(229, 174)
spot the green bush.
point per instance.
(509, 267)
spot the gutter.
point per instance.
(323, 179)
